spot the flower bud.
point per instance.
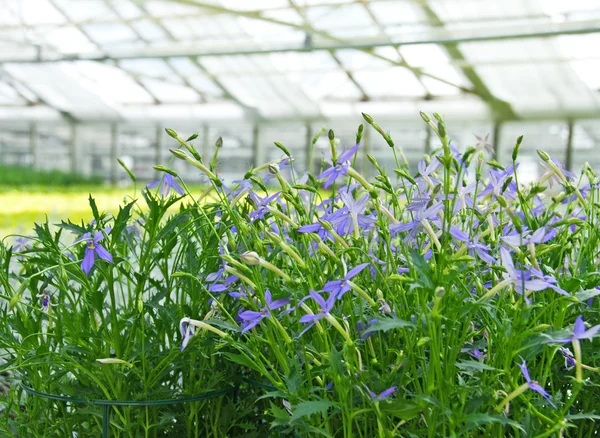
(166, 170)
(367, 118)
(219, 142)
(273, 169)
(283, 148)
(543, 155)
(331, 135)
(425, 117)
(250, 258)
(171, 132)
(179, 154)
(516, 148)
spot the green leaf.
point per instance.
(242, 360)
(122, 219)
(425, 277)
(94, 210)
(311, 407)
(582, 417)
(585, 295)
(70, 226)
(476, 420)
(403, 409)
(473, 365)
(388, 324)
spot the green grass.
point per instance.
(20, 176)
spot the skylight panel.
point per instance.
(347, 16)
(107, 34)
(34, 12)
(423, 55)
(113, 83)
(69, 39)
(147, 67)
(356, 59)
(9, 96)
(395, 81)
(394, 12)
(149, 30)
(168, 92)
(82, 10)
(126, 9)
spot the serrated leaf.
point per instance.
(388, 324)
(585, 295)
(592, 417)
(476, 420)
(122, 218)
(70, 226)
(473, 365)
(403, 409)
(94, 210)
(311, 407)
(242, 360)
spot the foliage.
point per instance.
(427, 304)
(21, 176)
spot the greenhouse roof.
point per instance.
(99, 60)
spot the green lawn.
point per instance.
(21, 208)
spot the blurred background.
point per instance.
(83, 82)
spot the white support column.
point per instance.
(73, 155)
(205, 150)
(366, 149)
(309, 148)
(569, 151)
(33, 145)
(114, 145)
(260, 151)
(158, 147)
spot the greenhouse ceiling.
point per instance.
(112, 60)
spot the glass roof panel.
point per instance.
(395, 81)
(83, 10)
(300, 58)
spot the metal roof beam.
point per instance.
(501, 110)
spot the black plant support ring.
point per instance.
(107, 404)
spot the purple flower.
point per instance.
(569, 358)
(254, 318)
(351, 218)
(497, 180)
(45, 301)
(21, 246)
(479, 355)
(340, 287)
(362, 327)
(421, 219)
(483, 145)
(261, 205)
(523, 279)
(579, 333)
(481, 250)
(340, 168)
(539, 236)
(187, 332)
(388, 392)
(93, 249)
(426, 172)
(533, 384)
(324, 308)
(167, 182)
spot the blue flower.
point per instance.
(338, 288)
(339, 168)
(167, 182)
(254, 318)
(533, 385)
(579, 333)
(93, 249)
